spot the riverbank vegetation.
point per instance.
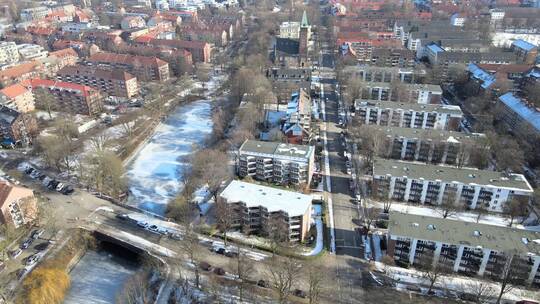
(49, 282)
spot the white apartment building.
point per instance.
(289, 29)
(431, 184)
(457, 20)
(256, 209)
(34, 13)
(408, 115)
(31, 51)
(416, 92)
(8, 52)
(277, 162)
(467, 248)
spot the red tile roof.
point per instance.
(67, 52)
(125, 59)
(14, 90)
(42, 31)
(19, 70)
(36, 82)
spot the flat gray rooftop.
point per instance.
(425, 134)
(273, 199)
(467, 176)
(417, 107)
(278, 149)
(499, 238)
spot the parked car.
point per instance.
(231, 254)
(45, 182)
(52, 185)
(15, 253)
(31, 260)
(219, 271)
(413, 288)
(175, 236)
(205, 266)
(59, 187)
(29, 170)
(37, 233)
(122, 216)
(26, 243)
(300, 293)
(68, 189)
(153, 228)
(42, 246)
(142, 224)
(219, 250)
(262, 283)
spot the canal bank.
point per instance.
(156, 171)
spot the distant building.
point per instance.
(520, 116)
(18, 205)
(31, 51)
(413, 92)
(143, 67)
(8, 52)
(289, 29)
(69, 97)
(526, 52)
(65, 57)
(130, 22)
(258, 210)
(431, 184)
(17, 97)
(408, 115)
(464, 247)
(276, 162)
(114, 83)
(16, 126)
(427, 145)
(21, 72)
(457, 19)
(297, 125)
(34, 13)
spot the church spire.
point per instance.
(305, 22)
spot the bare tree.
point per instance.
(191, 248)
(449, 206)
(370, 215)
(509, 276)
(283, 273)
(45, 100)
(210, 167)
(136, 290)
(277, 231)
(225, 217)
(514, 208)
(242, 267)
(481, 290)
(317, 280)
(353, 89)
(432, 273)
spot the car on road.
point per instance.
(122, 216)
(31, 260)
(52, 185)
(220, 250)
(231, 254)
(26, 243)
(37, 233)
(153, 228)
(142, 224)
(175, 236)
(29, 170)
(300, 293)
(59, 187)
(15, 253)
(46, 181)
(67, 190)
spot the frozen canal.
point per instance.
(98, 277)
(155, 173)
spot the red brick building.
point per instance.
(143, 67)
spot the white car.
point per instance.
(59, 186)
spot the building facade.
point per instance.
(518, 115)
(259, 210)
(433, 185)
(17, 97)
(113, 83)
(16, 126)
(18, 205)
(408, 115)
(69, 97)
(143, 67)
(467, 248)
(425, 145)
(8, 52)
(276, 162)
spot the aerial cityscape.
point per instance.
(269, 151)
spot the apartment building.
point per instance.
(520, 116)
(369, 73)
(18, 205)
(525, 51)
(68, 96)
(276, 162)
(431, 184)
(427, 145)
(22, 72)
(467, 248)
(114, 83)
(31, 51)
(17, 97)
(259, 210)
(34, 13)
(143, 67)
(408, 115)
(8, 52)
(413, 92)
(200, 50)
(289, 30)
(16, 126)
(65, 57)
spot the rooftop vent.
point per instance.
(472, 175)
(525, 240)
(415, 225)
(431, 227)
(477, 233)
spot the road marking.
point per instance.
(327, 175)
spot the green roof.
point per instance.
(305, 22)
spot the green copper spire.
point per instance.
(305, 22)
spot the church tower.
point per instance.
(305, 33)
